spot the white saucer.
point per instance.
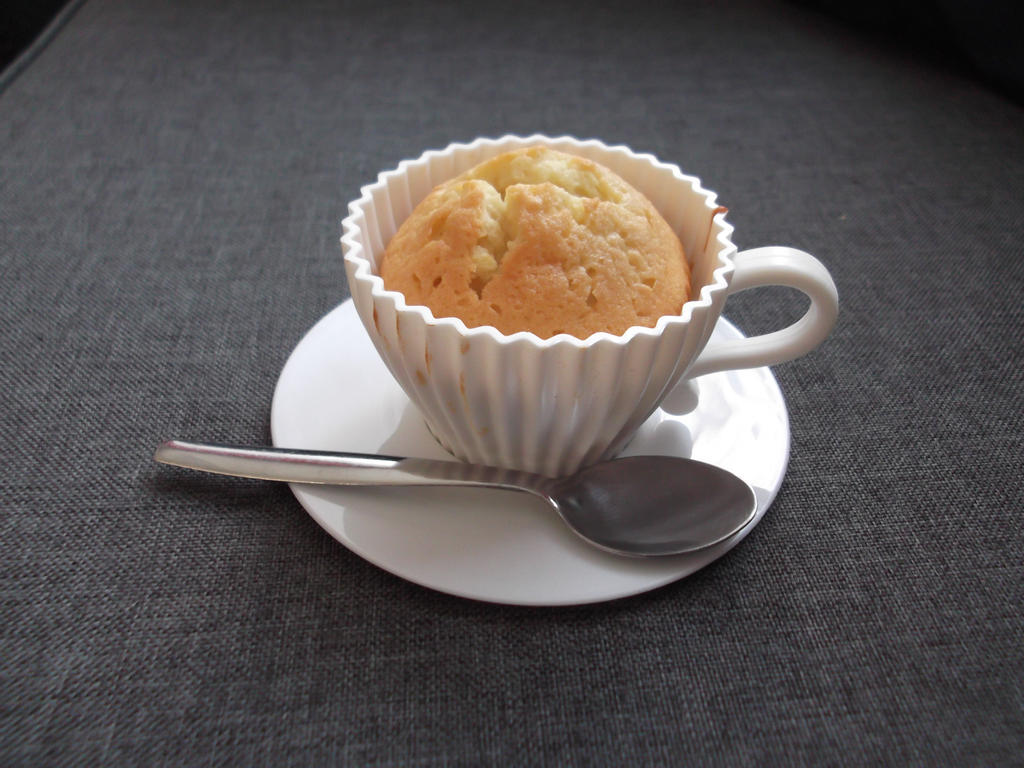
(334, 393)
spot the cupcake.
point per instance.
(541, 241)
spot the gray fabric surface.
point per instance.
(172, 177)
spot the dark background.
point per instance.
(20, 22)
(983, 39)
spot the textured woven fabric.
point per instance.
(172, 178)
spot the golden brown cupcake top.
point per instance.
(542, 241)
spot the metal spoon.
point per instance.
(639, 506)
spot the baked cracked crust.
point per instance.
(539, 240)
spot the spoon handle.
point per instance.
(333, 468)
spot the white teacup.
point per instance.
(554, 405)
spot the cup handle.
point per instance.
(775, 265)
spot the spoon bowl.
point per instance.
(653, 505)
(640, 506)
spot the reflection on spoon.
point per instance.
(638, 505)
